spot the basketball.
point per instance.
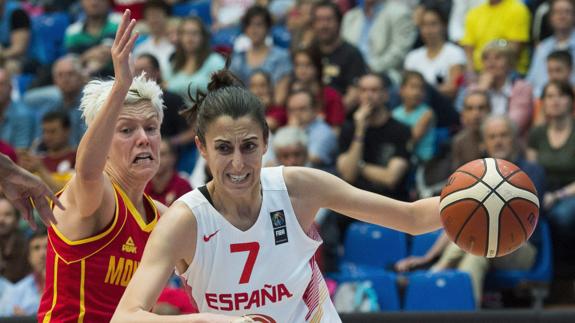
(489, 207)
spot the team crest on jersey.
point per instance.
(279, 224)
(129, 246)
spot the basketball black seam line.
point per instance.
(481, 181)
(507, 203)
(513, 210)
(492, 191)
(499, 225)
(480, 204)
(521, 188)
(517, 217)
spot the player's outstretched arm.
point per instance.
(22, 188)
(173, 242)
(317, 189)
(88, 187)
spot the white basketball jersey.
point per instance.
(268, 271)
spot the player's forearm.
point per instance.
(7, 166)
(424, 215)
(96, 142)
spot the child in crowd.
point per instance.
(414, 113)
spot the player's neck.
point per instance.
(133, 190)
(241, 207)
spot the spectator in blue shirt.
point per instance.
(562, 19)
(16, 120)
(276, 61)
(303, 111)
(69, 80)
(23, 298)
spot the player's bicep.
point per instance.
(173, 239)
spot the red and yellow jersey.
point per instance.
(85, 279)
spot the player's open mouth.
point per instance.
(238, 178)
(143, 158)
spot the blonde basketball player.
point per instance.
(245, 242)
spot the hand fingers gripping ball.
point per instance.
(489, 207)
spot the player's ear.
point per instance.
(201, 147)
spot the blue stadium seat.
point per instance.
(449, 290)
(23, 81)
(48, 30)
(199, 8)
(374, 246)
(537, 279)
(420, 244)
(281, 36)
(225, 37)
(383, 282)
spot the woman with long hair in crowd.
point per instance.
(194, 60)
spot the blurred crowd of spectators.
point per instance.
(390, 95)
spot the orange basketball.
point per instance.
(489, 207)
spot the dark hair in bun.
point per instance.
(226, 96)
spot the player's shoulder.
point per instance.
(161, 207)
(177, 221)
(299, 180)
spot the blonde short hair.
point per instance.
(97, 91)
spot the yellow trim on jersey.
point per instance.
(50, 202)
(97, 250)
(92, 238)
(48, 315)
(137, 216)
(82, 299)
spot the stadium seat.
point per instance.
(449, 290)
(384, 284)
(48, 30)
(537, 279)
(373, 246)
(23, 81)
(281, 36)
(199, 8)
(420, 244)
(225, 37)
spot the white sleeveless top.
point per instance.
(268, 271)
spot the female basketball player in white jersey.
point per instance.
(245, 242)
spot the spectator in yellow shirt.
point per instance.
(497, 19)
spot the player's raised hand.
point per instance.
(27, 192)
(121, 49)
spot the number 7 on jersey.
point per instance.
(252, 248)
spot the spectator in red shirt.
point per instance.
(53, 159)
(261, 85)
(167, 185)
(308, 74)
(8, 150)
